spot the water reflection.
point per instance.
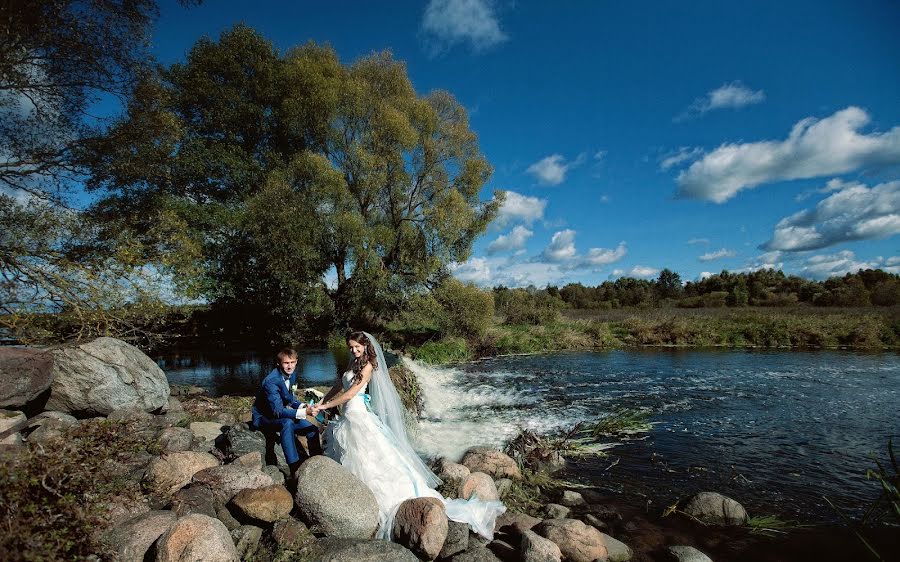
(239, 372)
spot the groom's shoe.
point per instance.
(294, 466)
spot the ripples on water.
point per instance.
(775, 430)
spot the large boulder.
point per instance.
(105, 375)
(196, 537)
(480, 485)
(25, 376)
(577, 542)
(290, 534)
(515, 523)
(336, 549)
(227, 480)
(131, 539)
(421, 525)
(267, 504)
(477, 554)
(491, 462)
(715, 509)
(536, 548)
(333, 501)
(171, 472)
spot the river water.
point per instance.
(776, 430)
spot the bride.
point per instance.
(370, 441)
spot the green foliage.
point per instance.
(770, 525)
(467, 310)
(52, 502)
(407, 385)
(618, 423)
(280, 168)
(447, 350)
(527, 306)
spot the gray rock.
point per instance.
(556, 511)
(290, 534)
(715, 509)
(536, 548)
(105, 375)
(571, 499)
(457, 539)
(515, 523)
(595, 522)
(207, 430)
(275, 473)
(238, 440)
(226, 481)
(131, 539)
(193, 500)
(9, 418)
(223, 514)
(131, 414)
(333, 501)
(503, 486)
(173, 471)
(25, 375)
(478, 554)
(686, 554)
(196, 537)
(335, 549)
(617, 550)
(246, 540)
(175, 414)
(176, 439)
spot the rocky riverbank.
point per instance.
(102, 461)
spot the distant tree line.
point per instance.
(765, 287)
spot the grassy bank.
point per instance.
(799, 328)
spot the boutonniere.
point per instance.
(293, 389)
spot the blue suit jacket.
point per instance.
(273, 400)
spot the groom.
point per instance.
(277, 408)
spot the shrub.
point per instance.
(466, 310)
(447, 350)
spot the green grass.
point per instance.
(447, 350)
(771, 525)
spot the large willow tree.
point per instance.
(293, 187)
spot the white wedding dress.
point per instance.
(365, 446)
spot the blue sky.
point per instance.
(634, 136)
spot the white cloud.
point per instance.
(643, 271)
(603, 256)
(823, 266)
(696, 241)
(520, 208)
(561, 248)
(600, 155)
(450, 22)
(717, 255)
(854, 212)
(727, 96)
(813, 148)
(552, 169)
(704, 274)
(515, 240)
(683, 154)
(474, 270)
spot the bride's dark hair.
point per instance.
(368, 356)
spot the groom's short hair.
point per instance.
(287, 353)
